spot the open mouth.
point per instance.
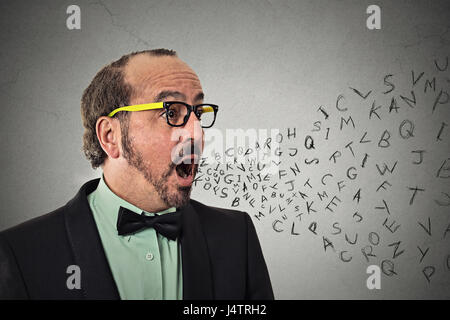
(185, 170)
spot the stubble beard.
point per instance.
(178, 198)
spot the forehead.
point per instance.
(149, 75)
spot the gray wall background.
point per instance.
(279, 61)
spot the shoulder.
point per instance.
(216, 212)
(36, 230)
(50, 226)
(221, 218)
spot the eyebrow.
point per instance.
(178, 95)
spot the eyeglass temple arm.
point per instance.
(138, 107)
(149, 106)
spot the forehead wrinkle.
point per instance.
(170, 93)
(142, 68)
(151, 78)
(145, 92)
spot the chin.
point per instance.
(180, 197)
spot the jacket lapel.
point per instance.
(97, 281)
(197, 277)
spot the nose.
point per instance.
(193, 123)
(193, 131)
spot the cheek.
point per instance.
(157, 151)
(154, 142)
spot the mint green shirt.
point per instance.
(145, 265)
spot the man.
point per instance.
(135, 233)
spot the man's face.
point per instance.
(150, 144)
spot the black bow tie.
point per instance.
(167, 224)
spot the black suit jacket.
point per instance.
(221, 255)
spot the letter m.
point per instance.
(347, 121)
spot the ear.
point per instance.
(108, 134)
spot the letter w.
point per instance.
(382, 171)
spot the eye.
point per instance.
(172, 113)
(199, 112)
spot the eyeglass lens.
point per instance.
(177, 112)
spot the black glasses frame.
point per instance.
(190, 108)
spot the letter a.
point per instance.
(374, 20)
(74, 20)
(74, 280)
(374, 280)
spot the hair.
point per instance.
(106, 92)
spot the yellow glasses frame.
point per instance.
(163, 105)
(138, 107)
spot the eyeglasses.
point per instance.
(177, 112)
